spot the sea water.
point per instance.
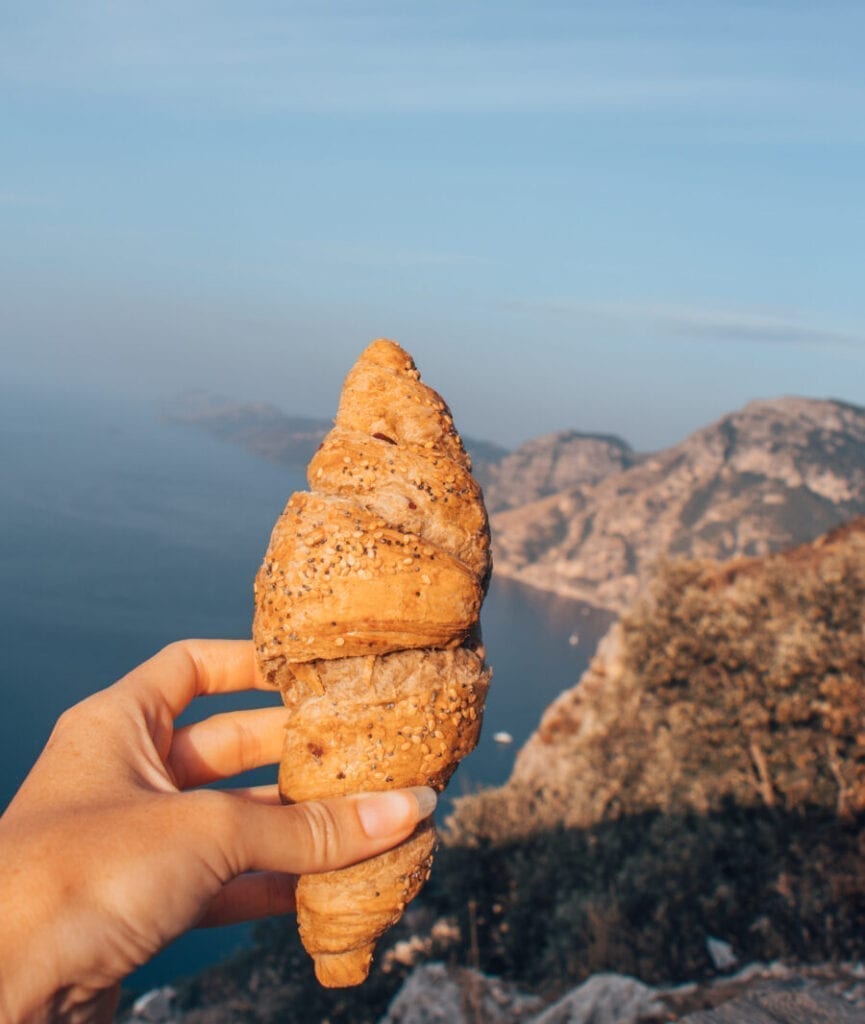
(120, 533)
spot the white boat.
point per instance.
(503, 737)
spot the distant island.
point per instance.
(264, 430)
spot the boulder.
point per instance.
(435, 994)
(605, 999)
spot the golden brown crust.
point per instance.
(417, 488)
(405, 719)
(367, 607)
(384, 397)
(338, 581)
(380, 888)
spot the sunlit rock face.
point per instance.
(587, 518)
(552, 464)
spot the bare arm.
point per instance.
(109, 852)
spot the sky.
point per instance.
(620, 216)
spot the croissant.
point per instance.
(366, 617)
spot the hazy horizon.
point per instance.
(614, 218)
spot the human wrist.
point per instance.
(30, 973)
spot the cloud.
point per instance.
(694, 323)
(368, 58)
(746, 326)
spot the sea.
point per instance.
(120, 533)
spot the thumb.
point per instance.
(320, 835)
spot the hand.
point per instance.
(109, 851)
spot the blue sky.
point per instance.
(620, 216)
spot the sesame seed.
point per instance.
(339, 641)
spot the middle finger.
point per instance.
(225, 745)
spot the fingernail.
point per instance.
(385, 814)
(427, 799)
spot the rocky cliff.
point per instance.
(705, 780)
(773, 474)
(740, 681)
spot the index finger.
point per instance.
(188, 669)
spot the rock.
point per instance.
(758, 994)
(605, 999)
(433, 994)
(721, 954)
(783, 1002)
(155, 1006)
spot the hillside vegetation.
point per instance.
(705, 778)
(742, 681)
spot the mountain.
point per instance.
(586, 517)
(551, 464)
(266, 431)
(775, 473)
